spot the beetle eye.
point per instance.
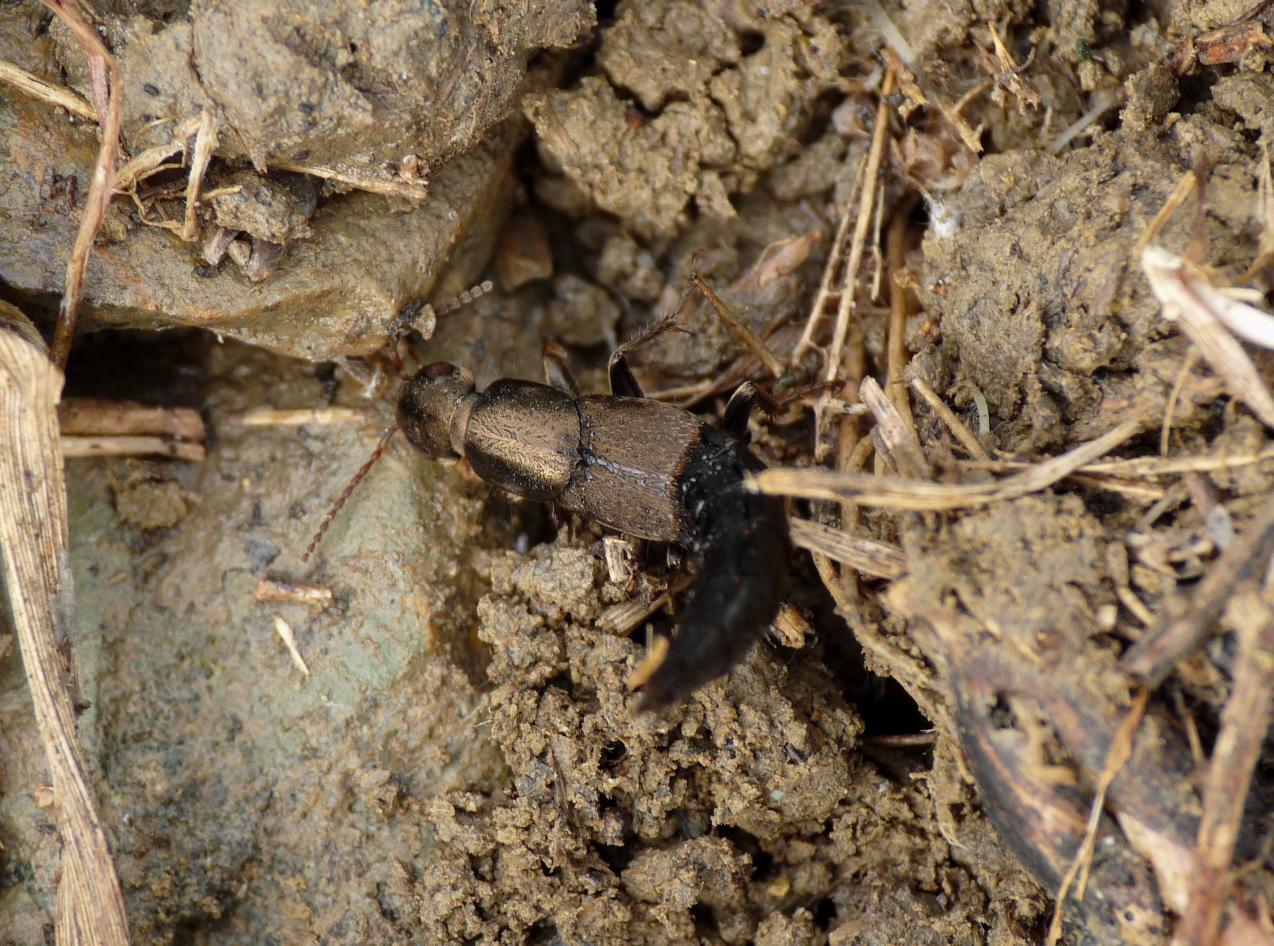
(439, 369)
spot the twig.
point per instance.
(1180, 193)
(845, 306)
(627, 616)
(205, 145)
(896, 385)
(105, 72)
(92, 416)
(142, 165)
(1211, 319)
(1174, 396)
(36, 87)
(948, 417)
(297, 417)
(878, 491)
(1152, 657)
(897, 439)
(78, 448)
(1145, 466)
(834, 255)
(879, 559)
(358, 179)
(37, 578)
(307, 593)
(1244, 724)
(1116, 756)
(1102, 103)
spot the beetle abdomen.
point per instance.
(632, 454)
(740, 549)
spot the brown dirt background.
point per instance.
(464, 763)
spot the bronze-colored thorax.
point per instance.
(639, 466)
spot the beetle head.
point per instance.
(427, 407)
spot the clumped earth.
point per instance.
(463, 761)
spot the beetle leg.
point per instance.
(739, 408)
(622, 381)
(557, 372)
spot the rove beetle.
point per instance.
(635, 465)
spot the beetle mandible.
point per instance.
(636, 465)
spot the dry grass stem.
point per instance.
(1008, 73)
(153, 159)
(871, 172)
(1116, 756)
(298, 417)
(205, 145)
(1174, 397)
(1144, 492)
(1211, 319)
(653, 660)
(889, 32)
(897, 441)
(1244, 724)
(896, 344)
(1145, 466)
(106, 83)
(1102, 103)
(78, 448)
(1180, 194)
(34, 549)
(359, 179)
(864, 490)
(834, 256)
(627, 616)
(284, 630)
(1181, 630)
(878, 559)
(307, 593)
(1265, 195)
(91, 416)
(1226, 305)
(36, 87)
(954, 423)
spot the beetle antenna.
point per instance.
(462, 300)
(419, 316)
(349, 489)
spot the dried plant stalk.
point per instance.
(132, 445)
(359, 179)
(205, 145)
(868, 556)
(58, 95)
(106, 84)
(1185, 628)
(1211, 318)
(93, 416)
(34, 548)
(1244, 724)
(297, 417)
(866, 490)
